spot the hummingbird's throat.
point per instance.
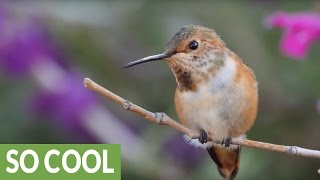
(189, 75)
(184, 79)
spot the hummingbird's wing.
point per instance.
(227, 160)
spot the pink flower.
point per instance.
(300, 31)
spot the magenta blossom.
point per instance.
(300, 31)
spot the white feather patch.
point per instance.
(224, 76)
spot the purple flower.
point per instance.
(23, 44)
(300, 31)
(318, 106)
(67, 103)
(183, 153)
(2, 16)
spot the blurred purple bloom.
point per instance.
(300, 31)
(2, 16)
(183, 153)
(318, 106)
(67, 103)
(66, 107)
(22, 44)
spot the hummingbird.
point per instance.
(216, 92)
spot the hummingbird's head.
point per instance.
(193, 54)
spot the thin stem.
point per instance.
(163, 119)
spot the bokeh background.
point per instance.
(47, 48)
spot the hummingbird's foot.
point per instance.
(203, 137)
(226, 141)
(158, 117)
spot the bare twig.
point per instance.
(163, 119)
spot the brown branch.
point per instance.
(163, 119)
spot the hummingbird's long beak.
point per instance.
(147, 59)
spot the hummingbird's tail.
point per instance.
(227, 161)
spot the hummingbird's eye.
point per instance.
(193, 45)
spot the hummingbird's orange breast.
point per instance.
(223, 106)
